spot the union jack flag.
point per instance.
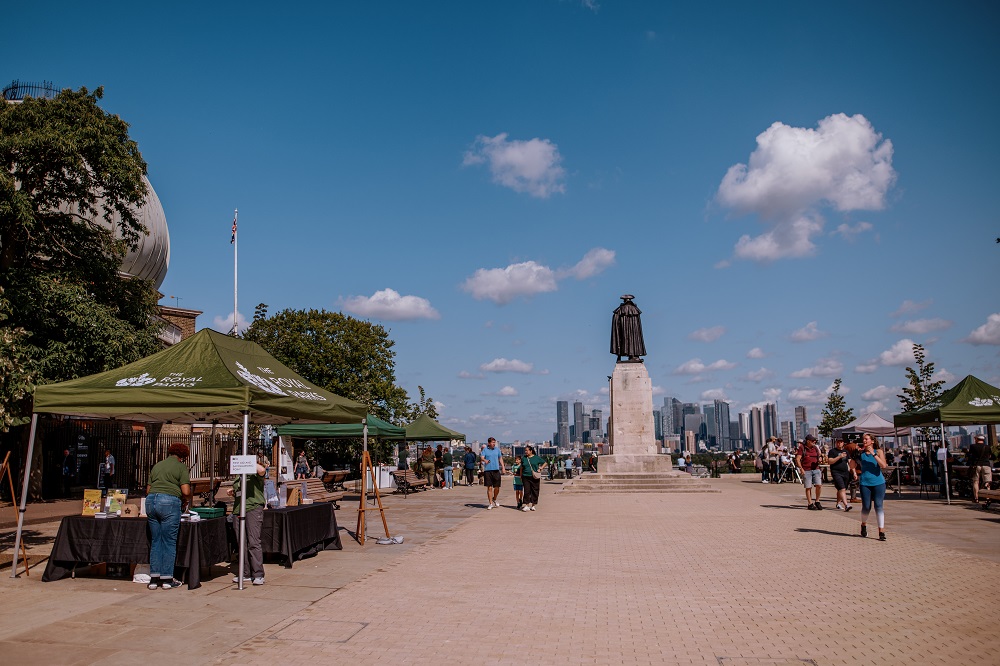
(233, 239)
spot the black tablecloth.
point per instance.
(87, 540)
(300, 531)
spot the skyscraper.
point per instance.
(578, 423)
(801, 422)
(562, 424)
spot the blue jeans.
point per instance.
(164, 513)
(449, 479)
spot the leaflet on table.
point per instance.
(115, 500)
(91, 501)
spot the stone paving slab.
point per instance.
(737, 577)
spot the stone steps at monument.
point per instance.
(638, 483)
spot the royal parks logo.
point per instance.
(170, 380)
(985, 402)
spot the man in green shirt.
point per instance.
(254, 520)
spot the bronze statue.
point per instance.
(626, 332)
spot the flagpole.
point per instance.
(236, 253)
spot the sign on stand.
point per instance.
(243, 464)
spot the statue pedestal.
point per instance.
(632, 429)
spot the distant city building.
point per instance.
(578, 425)
(787, 431)
(657, 425)
(562, 424)
(801, 422)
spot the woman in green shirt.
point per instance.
(167, 496)
(530, 462)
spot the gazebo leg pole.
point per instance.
(24, 495)
(947, 484)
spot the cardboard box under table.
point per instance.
(85, 540)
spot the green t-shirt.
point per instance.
(447, 459)
(167, 477)
(255, 494)
(530, 464)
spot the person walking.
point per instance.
(493, 467)
(109, 469)
(168, 495)
(470, 460)
(980, 465)
(807, 460)
(515, 469)
(446, 468)
(439, 466)
(872, 483)
(427, 465)
(771, 461)
(569, 468)
(530, 477)
(841, 473)
(254, 520)
(302, 466)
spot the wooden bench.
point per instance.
(334, 481)
(407, 480)
(317, 491)
(989, 496)
(205, 490)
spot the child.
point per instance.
(518, 484)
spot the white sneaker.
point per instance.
(526, 508)
(765, 481)
(236, 579)
(489, 506)
(839, 505)
(495, 505)
(258, 581)
(532, 507)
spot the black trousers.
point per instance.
(531, 486)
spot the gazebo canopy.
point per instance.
(209, 376)
(872, 424)
(970, 402)
(426, 429)
(376, 428)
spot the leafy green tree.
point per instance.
(423, 405)
(66, 311)
(836, 413)
(923, 389)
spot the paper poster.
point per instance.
(91, 501)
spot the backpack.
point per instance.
(762, 456)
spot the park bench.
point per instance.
(334, 481)
(407, 480)
(205, 490)
(988, 496)
(317, 491)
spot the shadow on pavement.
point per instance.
(806, 529)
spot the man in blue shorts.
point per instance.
(492, 469)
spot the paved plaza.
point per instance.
(745, 576)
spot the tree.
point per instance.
(922, 390)
(423, 405)
(65, 311)
(836, 413)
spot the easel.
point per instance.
(5, 471)
(366, 469)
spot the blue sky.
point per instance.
(793, 191)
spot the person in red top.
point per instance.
(807, 460)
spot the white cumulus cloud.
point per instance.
(825, 367)
(877, 406)
(533, 166)
(695, 366)
(759, 375)
(909, 307)
(502, 285)
(867, 367)
(224, 324)
(593, 263)
(503, 365)
(772, 394)
(921, 326)
(880, 392)
(849, 232)
(900, 354)
(389, 305)
(707, 334)
(843, 164)
(756, 352)
(808, 333)
(714, 394)
(987, 334)
(507, 392)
